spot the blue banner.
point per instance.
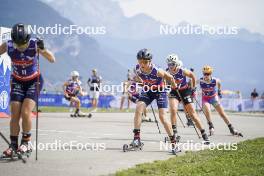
(59, 100)
(4, 88)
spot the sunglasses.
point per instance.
(206, 74)
(172, 64)
(143, 62)
(23, 46)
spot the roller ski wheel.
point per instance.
(166, 139)
(73, 115)
(178, 138)
(125, 148)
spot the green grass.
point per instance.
(248, 159)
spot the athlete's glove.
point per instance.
(40, 43)
(219, 93)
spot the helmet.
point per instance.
(174, 59)
(144, 54)
(74, 73)
(94, 70)
(20, 34)
(207, 69)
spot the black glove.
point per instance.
(220, 93)
(40, 43)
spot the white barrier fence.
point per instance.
(230, 104)
(242, 105)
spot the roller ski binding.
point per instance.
(135, 145)
(234, 132)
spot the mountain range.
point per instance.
(237, 59)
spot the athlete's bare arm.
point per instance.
(3, 48)
(81, 92)
(168, 77)
(47, 54)
(218, 82)
(64, 86)
(191, 75)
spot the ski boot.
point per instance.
(189, 122)
(9, 153)
(175, 133)
(205, 138)
(211, 128)
(174, 147)
(24, 150)
(234, 132)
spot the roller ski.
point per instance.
(135, 145)
(80, 114)
(234, 132)
(13, 154)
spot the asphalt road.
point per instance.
(97, 143)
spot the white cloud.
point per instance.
(241, 13)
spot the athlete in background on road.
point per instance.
(183, 93)
(94, 82)
(71, 89)
(210, 96)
